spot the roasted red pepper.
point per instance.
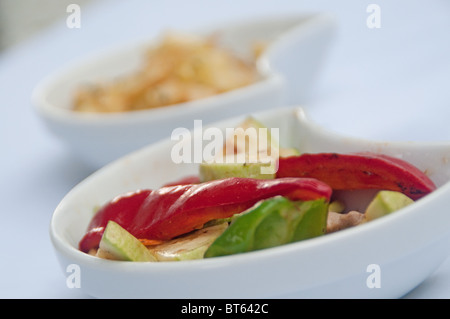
(175, 210)
(121, 209)
(358, 171)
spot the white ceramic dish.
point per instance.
(407, 245)
(298, 44)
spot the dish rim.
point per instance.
(63, 246)
(268, 77)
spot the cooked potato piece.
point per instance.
(339, 221)
(181, 68)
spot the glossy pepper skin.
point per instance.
(175, 210)
(358, 171)
(120, 210)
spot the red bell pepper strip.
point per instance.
(358, 171)
(175, 210)
(120, 209)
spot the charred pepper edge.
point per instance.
(363, 169)
(294, 188)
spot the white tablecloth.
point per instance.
(386, 83)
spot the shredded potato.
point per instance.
(179, 69)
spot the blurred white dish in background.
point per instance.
(406, 246)
(288, 68)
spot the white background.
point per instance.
(387, 83)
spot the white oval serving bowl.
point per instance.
(298, 45)
(406, 246)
